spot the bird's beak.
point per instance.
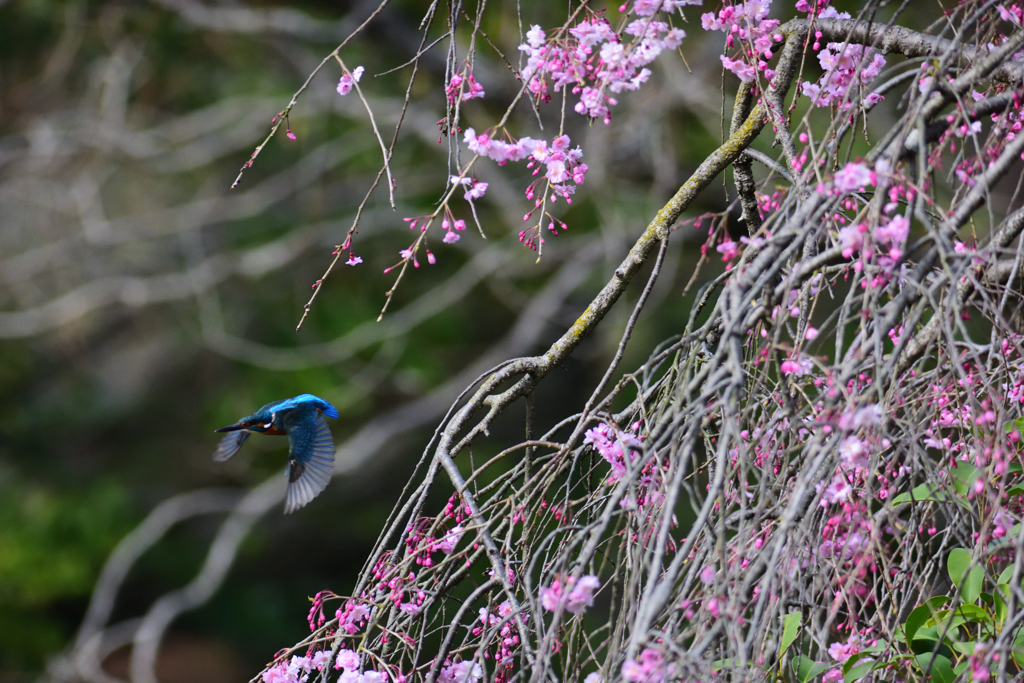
(232, 428)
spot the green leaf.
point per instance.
(928, 641)
(790, 630)
(922, 492)
(934, 492)
(921, 614)
(965, 577)
(957, 564)
(1017, 424)
(939, 666)
(974, 614)
(1000, 604)
(854, 669)
(858, 671)
(946, 626)
(964, 476)
(1017, 652)
(1015, 490)
(731, 663)
(807, 668)
(944, 622)
(966, 647)
(972, 585)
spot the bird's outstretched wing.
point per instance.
(311, 460)
(230, 444)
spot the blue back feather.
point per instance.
(305, 400)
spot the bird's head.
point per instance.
(256, 423)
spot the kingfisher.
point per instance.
(311, 448)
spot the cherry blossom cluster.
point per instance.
(967, 431)
(1014, 392)
(463, 86)
(1006, 125)
(797, 366)
(461, 672)
(842, 651)
(847, 67)
(562, 166)
(650, 668)
(850, 536)
(560, 169)
(595, 59)
(420, 544)
(882, 245)
(395, 588)
(619, 449)
(853, 177)
(349, 80)
(615, 446)
(570, 595)
(350, 664)
(731, 250)
(508, 643)
(814, 8)
(316, 616)
(352, 617)
(769, 204)
(749, 31)
(981, 659)
(474, 189)
(297, 669)
(452, 226)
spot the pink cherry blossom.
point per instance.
(456, 91)
(749, 32)
(854, 176)
(320, 659)
(349, 80)
(614, 446)
(595, 60)
(847, 68)
(461, 672)
(572, 596)
(581, 596)
(347, 660)
(851, 238)
(797, 367)
(450, 540)
(476, 191)
(651, 668)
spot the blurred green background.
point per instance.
(144, 303)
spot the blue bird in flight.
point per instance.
(311, 448)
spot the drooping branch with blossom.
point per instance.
(787, 493)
